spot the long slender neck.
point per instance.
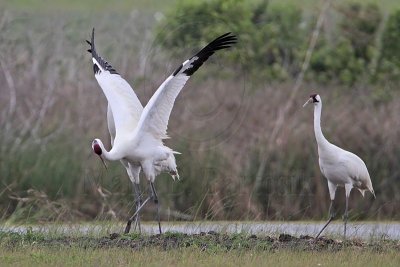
(111, 155)
(321, 140)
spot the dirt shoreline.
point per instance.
(210, 241)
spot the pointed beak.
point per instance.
(174, 175)
(104, 163)
(308, 101)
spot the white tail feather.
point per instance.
(168, 165)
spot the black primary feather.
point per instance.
(104, 64)
(224, 41)
(177, 70)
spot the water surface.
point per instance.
(363, 230)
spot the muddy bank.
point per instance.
(210, 241)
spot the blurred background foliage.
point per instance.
(359, 40)
(51, 107)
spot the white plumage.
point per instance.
(340, 167)
(139, 131)
(132, 169)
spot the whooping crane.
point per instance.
(340, 167)
(139, 132)
(132, 115)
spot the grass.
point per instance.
(191, 257)
(39, 249)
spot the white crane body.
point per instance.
(137, 133)
(340, 167)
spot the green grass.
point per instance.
(39, 249)
(32, 255)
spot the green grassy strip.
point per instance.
(47, 256)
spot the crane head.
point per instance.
(314, 98)
(96, 147)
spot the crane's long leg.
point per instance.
(332, 190)
(138, 200)
(331, 217)
(128, 225)
(346, 216)
(348, 188)
(133, 173)
(155, 198)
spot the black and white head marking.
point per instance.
(314, 98)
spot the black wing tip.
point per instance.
(222, 42)
(92, 49)
(92, 43)
(104, 64)
(177, 70)
(228, 34)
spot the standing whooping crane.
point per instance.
(340, 167)
(139, 132)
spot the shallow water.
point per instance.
(363, 230)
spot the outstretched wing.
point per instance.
(155, 116)
(125, 105)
